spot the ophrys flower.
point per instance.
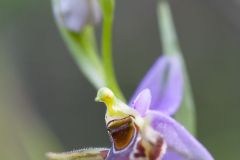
(144, 129)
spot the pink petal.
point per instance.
(165, 80)
(181, 144)
(142, 102)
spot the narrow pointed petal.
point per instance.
(165, 81)
(142, 102)
(181, 145)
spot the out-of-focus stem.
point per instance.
(108, 14)
(170, 44)
(82, 46)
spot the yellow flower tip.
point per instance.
(114, 108)
(105, 95)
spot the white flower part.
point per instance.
(76, 14)
(150, 144)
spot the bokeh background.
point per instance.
(43, 94)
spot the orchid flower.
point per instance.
(144, 129)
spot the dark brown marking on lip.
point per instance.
(109, 124)
(140, 151)
(122, 131)
(157, 149)
(150, 149)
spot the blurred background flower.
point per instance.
(76, 14)
(55, 90)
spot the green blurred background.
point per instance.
(43, 94)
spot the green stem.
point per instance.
(166, 26)
(82, 46)
(108, 14)
(186, 114)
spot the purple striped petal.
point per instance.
(165, 81)
(142, 102)
(181, 144)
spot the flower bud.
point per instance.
(76, 14)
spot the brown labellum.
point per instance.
(122, 131)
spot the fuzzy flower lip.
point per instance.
(165, 80)
(76, 14)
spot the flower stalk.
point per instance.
(108, 7)
(76, 19)
(170, 44)
(81, 40)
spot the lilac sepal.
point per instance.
(170, 155)
(165, 80)
(142, 102)
(181, 144)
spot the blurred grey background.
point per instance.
(209, 32)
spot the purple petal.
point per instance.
(76, 14)
(142, 102)
(165, 81)
(181, 144)
(170, 155)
